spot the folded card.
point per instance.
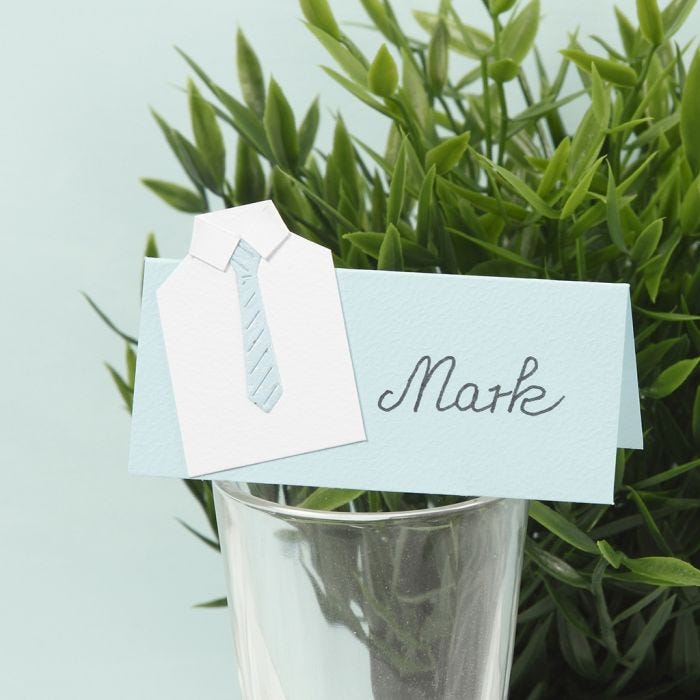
(464, 385)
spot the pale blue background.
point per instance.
(96, 577)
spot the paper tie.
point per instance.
(262, 376)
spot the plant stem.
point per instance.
(487, 109)
(502, 105)
(503, 123)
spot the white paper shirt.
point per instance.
(200, 317)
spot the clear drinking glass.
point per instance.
(416, 605)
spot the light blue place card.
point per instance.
(466, 385)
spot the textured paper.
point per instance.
(580, 333)
(200, 315)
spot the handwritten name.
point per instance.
(523, 395)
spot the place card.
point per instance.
(424, 383)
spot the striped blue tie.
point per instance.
(262, 376)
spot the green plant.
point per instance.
(469, 185)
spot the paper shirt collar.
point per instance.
(215, 235)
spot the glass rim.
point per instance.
(238, 494)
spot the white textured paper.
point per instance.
(200, 317)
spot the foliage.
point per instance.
(470, 184)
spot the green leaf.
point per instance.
(499, 207)
(151, 250)
(246, 122)
(126, 392)
(342, 56)
(649, 358)
(425, 206)
(611, 555)
(534, 651)
(613, 205)
(549, 108)
(378, 204)
(564, 601)
(497, 250)
(216, 603)
(446, 155)
(690, 109)
(655, 268)
(519, 34)
(600, 97)
(130, 365)
(579, 193)
(601, 607)
(649, 521)
(654, 132)
(250, 75)
(497, 7)
(685, 649)
(176, 196)
(524, 190)
(640, 170)
(563, 528)
(393, 500)
(202, 493)
(249, 178)
(645, 637)
(555, 168)
(690, 208)
(207, 135)
(390, 253)
(397, 187)
(344, 159)
(329, 499)
(281, 129)
(414, 255)
(438, 56)
(464, 39)
(360, 92)
(318, 200)
(585, 146)
(647, 241)
(639, 605)
(554, 566)
(196, 165)
(573, 643)
(319, 14)
(308, 130)
(503, 70)
(628, 33)
(650, 21)
(383, 20)
(695, 421)
(107, 321)
(665, 571)
(383, 74)
(672, 473)
(672, 378)
(672, 316)
(612, 71)
(675, 14)
(202, 538)
(184, 151)
(413, 92)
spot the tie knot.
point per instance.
(245, 258)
